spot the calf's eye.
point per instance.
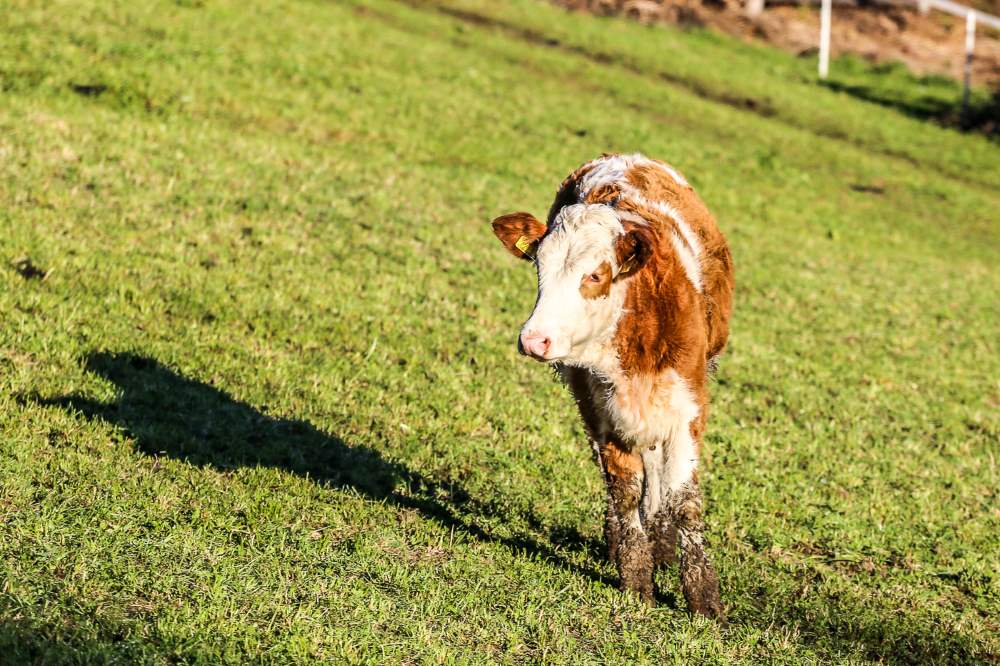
(594, 277)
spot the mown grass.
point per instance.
(260, 395)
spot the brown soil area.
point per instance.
(927, 44)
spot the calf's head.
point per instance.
(582, 261)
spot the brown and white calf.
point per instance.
(635, 285)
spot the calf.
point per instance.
(635, 285)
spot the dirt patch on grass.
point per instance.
(926, 44)
(28, 269)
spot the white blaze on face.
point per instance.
(582, 238)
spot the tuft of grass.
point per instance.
(260, 400)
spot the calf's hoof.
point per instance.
(705, 600)
(645, 592)
(639, 579)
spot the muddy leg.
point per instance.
(612, 528)
(699, 581)
(663, 536)
(655, 514)
(633, 554)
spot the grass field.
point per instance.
(259, 397)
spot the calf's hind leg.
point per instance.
(623, 473)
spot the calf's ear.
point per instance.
(519, 233)
(632, 250)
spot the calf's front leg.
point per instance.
(663, 535)
(699, 581)
(623, 474)
(656, 517)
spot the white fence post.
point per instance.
(824, 39)
(754, 7)
(970, 45)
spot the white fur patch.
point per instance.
(692, 268)
(658, 411)
(681, 462)
(652, 463)
(631, 217)
(606, 171)
(690, 237)
(582, 237)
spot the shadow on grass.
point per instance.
(173, 416)
(22, 644)
(107, 642)
(983, 115)
(858, 620)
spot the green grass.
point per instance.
(264, 405)
(930, 97)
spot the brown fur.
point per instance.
(662, 327)
(511, 227)
(620, 460)
(632, 251)
(716, 261)
(590, 288)
(663, 536)
(607, 194)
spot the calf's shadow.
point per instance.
(173, 416)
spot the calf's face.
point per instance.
(581, 261)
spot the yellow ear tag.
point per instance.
(524, 245)
(627, 265)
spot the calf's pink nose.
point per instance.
(535, 344)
